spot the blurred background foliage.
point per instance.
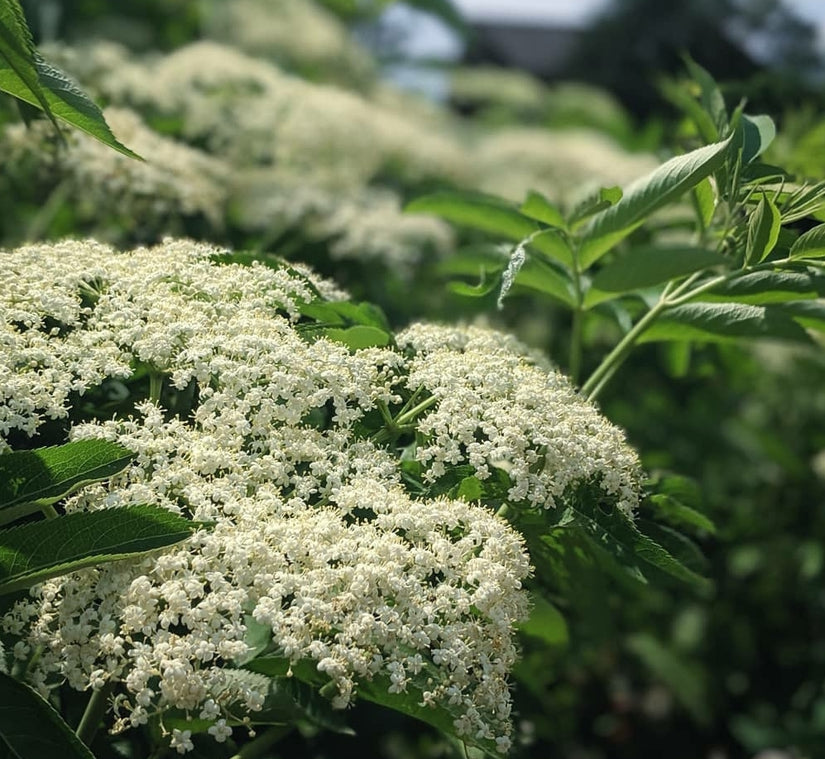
(630, 671)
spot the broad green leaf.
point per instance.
(482, 212)
(346, 313)
(31, 729)
(683, 96)
(669, 509)
(538, 208)
(553, 246)
(64, 99)
(808, 313)
(485, 286)
(360, 336)
(762, 173)
(763, 231)
(758, 133)
(542, 277)
(18, 57)
(760, 287)
(650, 265)
(37, 551)
(545, 623)
(645, 196)
(811, 244)
(409, 702)
(470, 489)
(710, 97)
(45, 475)
(685, 679)
(704, 198)
(593, 203)
(619, 535)
(719, 322)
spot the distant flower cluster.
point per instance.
(315, 157)
(316, 536)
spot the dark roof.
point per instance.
(541, 50)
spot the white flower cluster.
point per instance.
(514, 160)
(114, 192)
(495, 407)
(315, 536)
(364, 223)
(299, 35)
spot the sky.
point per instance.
(577, 12)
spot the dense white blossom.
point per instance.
(496, 408)
(514, 160)
(365, 224)
(300, 35)
(315, 536)
(114, 192)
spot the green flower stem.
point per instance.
(92, 717)
(576, 344)
(408, 416)
(670, 298)
(49, 511)
(261, 745)
(155, 387)
(620, 352)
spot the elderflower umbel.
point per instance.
(314, 536)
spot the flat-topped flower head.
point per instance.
(315, 539)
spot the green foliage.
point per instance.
(41, 477)
(37, 551)
(30, 728)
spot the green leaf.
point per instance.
(651, 265)
(481, 212)
(719, 322)
(669, 509)
(45, 475)
(64, 99)
(360, 336)
(538, 208)
(36, 551)
(808, 313)
(619, 535)
(811, 244)
(593, 203)
(760, 287)
(542, 277)
(758, 133)
(646, 195)
(18, 57)
(485, 286)
(705, 199)
(346, 313)
(763, 231)
(553, 246)
(546, 623)
(685, 679)
(31, 729)
(710, 97)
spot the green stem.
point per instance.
(45, 216)
(608, 366)
(578, 320)
(408, 416)
(261, 745)
(49, 511)
(92, 717)
(155, 387)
